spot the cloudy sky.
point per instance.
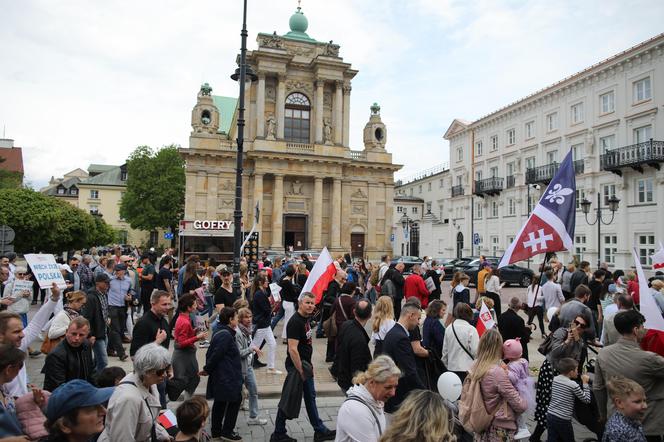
(86, 82)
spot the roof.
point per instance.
(99, 168)
(13, 159)
(226, 107)
(111, 177)
(402, 197)
(67, 184)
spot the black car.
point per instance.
(447, 266)
(408, 261)
(472, 268)
(513, 274)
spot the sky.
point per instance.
(87, 82)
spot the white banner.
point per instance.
(20, 287)
(46, 270)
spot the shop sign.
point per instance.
(212, 225)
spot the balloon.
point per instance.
(449, 386)
(550, 313)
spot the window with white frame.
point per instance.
(414, 210)
(610, 248)
(478, 210)
(94, 194)
(459, 180)
(511, 136)
(530, 162)
(459, 154)
(532, 201)
(646, 248)
(644, 193)
(495, 243)
(551, 156)
(642, 90)
(511, 207)
(73, 191)
(577, 150)
(428, 207)
(441, 212)
(552, 121)
(530, 130)
(440, 183)
(510, 168)
(580, 246)
(399, 209)
(493, 171)
(494, 142)
(61, 190)
(608, 190)
(510, 239)
(429, 187)
(494, 209)
(580, 196)
(576, 113)
(642, 134)
(607, 143)
(478, 149)
(478, 175)
(607, 102)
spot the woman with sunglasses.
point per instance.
(134, 406)
(566, 343)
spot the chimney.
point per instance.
(6, 142)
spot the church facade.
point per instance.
(310, 188)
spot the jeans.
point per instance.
(250, 382)
(280, 314)
(558, 429)
(289, 309)
(224, 418)
(101, 358)
(309, 395)
(118, 316)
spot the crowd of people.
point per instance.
(388, 334)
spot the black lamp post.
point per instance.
(242, 73)
(613, 206)
(406, 223)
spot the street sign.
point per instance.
(476, 239)
(168, 235)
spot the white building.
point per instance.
(609, 115)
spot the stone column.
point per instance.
(338, 114)
(388, 194)
(319, 111)
(260, 107)
(258, 198)
(317, 221)
(281, 103)
(335, 228)
(346, 116)
(248, 127)
(212, 203)
(374, 196)
(278, 212)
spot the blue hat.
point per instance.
(75, 394)
(613, 288)
(120, 267)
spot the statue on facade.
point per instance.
(327, 131)
(206, 89)
(271, 127)
(296, 188)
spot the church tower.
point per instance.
(205, 116)
(375, 133)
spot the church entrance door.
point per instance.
(295, 232)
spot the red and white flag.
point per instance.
(658, 258)
(321, 275)
(485, 321)
(648, 305)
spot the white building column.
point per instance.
(319, 111)
(260, 107)
(338, 111)
(281, 104)
(212, 203)
(346, 115)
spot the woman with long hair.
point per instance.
(492, 286)
(497, 391)
(191, 281)
(72, 309)
(535, 303)
(460, 290)
(422, 417)
(262, 310)
(383, 321)
(433, 331)
(185, 364)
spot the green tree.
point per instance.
(9, 179)
(155, 189)
(44, 223)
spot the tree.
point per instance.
(155, 189)
(44, 223)
(10, 179)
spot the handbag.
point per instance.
(49, 344)
(330, 324)
(546, 345)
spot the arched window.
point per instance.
(296, 118)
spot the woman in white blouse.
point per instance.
(460, 342)
(492, 286)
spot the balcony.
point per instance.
(510, 181)
(457, 190)
(489, 186)
(650, 153)
(544, 174)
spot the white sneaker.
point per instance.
(522, 433)
(244, 406)
(274, 371)
(204, 344)
(256, 421)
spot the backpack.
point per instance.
(473, 414)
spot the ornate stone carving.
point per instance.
(272, 41)
(327, 131)
(227, 186)
(331, 50)
(271, 124)
(359, 194)
(227, 203)
(358, 209)
(296, 188)
(347, 89)
(590, 142)
(327, 99)
(270, 93)
(296, 85)
(305, 52)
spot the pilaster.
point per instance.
(319, 111)
(335, 228)
(278, 212)
(260, 107)
(281, 104)
(346, 116)
(338, 112)
(317, 221)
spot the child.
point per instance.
(460, 291)
(110, 377)
(517, 371)
(561, 408)
(629, 400)
(192, 415)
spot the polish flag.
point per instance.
(167, 419)
(321, 275)
(658, 258)
(485, 321)
(648, 305)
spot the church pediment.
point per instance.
(456, 127)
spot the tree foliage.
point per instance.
(46, 224)
(155, 188)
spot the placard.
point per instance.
(21, 286)
(46, 270)
(431, 286)
(275, 290)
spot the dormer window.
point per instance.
(123, 175)
(73, 191)
(61, 190)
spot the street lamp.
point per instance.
(242, 73)
(406, 223)
(613, 207)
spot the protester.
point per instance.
(552, 292)
(626, 359)
(414, 286)
(21, 303)
(382, 322)
(134, 405)
(594, 301)
(609, 333)
(342, 311)
(165, 275)
(629, 401)
(519, 376)
(224, 366)
(95, 310)
(153, 325)
(397, 345)
(460, 342)
(11, 362)
(577, 306)
(148, 279)
(192, 416)
(580, 276)
(71, 358)
(262, 310)
(85, 273)
(395, 276)
(561, 408)
(119, 293)
(110, 377)
(76, 412)
(435, 273)
(353, 354)
(422, 417)
(460, 290)
(289, 296)
(60, 323)
(190, 280)
(512, 326)
(493, 288)
(484, 271)
(224, 296)
(331, 293)
(298, 357)
(565, 282)
(247, 351)
(433, 331)
(184, 362)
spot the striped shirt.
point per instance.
(563, 392)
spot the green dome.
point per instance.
(298, 22)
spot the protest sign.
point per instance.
(431, 286)
(275, 290)
(46, 270)
(21, 286)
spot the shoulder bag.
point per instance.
(330, 324)
(357, 399)
(461, 345)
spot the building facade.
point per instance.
(311, 189)
(610, 116)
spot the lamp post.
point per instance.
(406, 223)
(242, 73)
(613, 206)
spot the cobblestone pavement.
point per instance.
(329, 395)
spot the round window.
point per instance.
(206, 118)
(379, 134)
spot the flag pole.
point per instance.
(547, 256)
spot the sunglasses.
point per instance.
(579, 324)
(162, 371)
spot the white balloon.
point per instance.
(449, 386)
(550, 313)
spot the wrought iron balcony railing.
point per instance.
(489, 186)
(649, 153)
(457, 190)
(544, 174)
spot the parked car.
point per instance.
(514, 274)
(409, 262)
(471, 261)
(447, 266)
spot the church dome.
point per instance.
(298, 22)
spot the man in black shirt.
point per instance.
(224, 296)
(165, 276)
(353, 354)
(153, 325)
(300, 349)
